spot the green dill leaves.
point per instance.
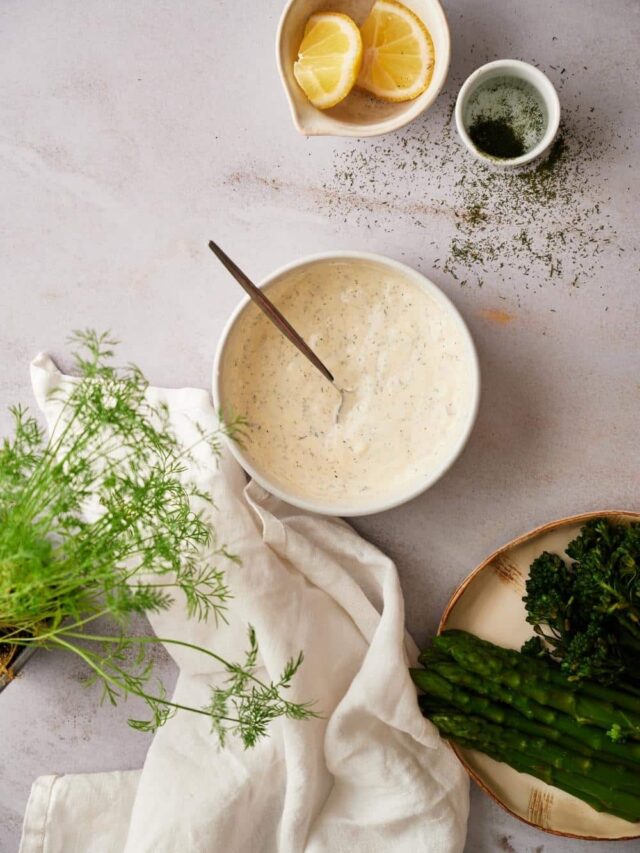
(246, 705)
(99, 521)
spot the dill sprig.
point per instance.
(101, 521)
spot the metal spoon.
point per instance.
(276, 317)
(270, 310)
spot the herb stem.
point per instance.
(169, 641)
(122, 686)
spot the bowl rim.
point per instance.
(547, 91)
(346, 510)
(336, 127)
(580, 518)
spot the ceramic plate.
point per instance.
(489, 603)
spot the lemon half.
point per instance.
(329, 58)
(398, 55)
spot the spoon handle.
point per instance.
(269, 309)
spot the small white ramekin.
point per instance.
(340, 508)
(523, 71)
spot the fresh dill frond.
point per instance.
(100, 520)
(246, 705)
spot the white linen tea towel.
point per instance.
(371, 775)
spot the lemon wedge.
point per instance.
(398, 53)
(329, 58)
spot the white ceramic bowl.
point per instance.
(523, 71)
(359, 114)
(415, 488)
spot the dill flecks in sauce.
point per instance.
(403, 352)
(505, 117)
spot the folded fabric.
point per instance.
(371, 774)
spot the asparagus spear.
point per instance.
(481, 657)
(439, 689)
(541, 771)
(568, 755)
(536, 755)
(564, 725)
(539, 669)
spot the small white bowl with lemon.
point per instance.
(363, 68)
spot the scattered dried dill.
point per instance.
(549, 224)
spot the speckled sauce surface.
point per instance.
(404, 391)
(130, 134)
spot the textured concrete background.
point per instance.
(130, 133)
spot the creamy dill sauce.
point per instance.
(401, 351)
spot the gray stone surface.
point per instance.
(130, 133)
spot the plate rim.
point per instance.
(580, 518)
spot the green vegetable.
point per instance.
(526, 712)
(590, 761)
(541, 759)
(563, 726)
(538, 681)
(545, 669)
(524, 764)
(588, 611)
(114, 453)
(602, 772)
